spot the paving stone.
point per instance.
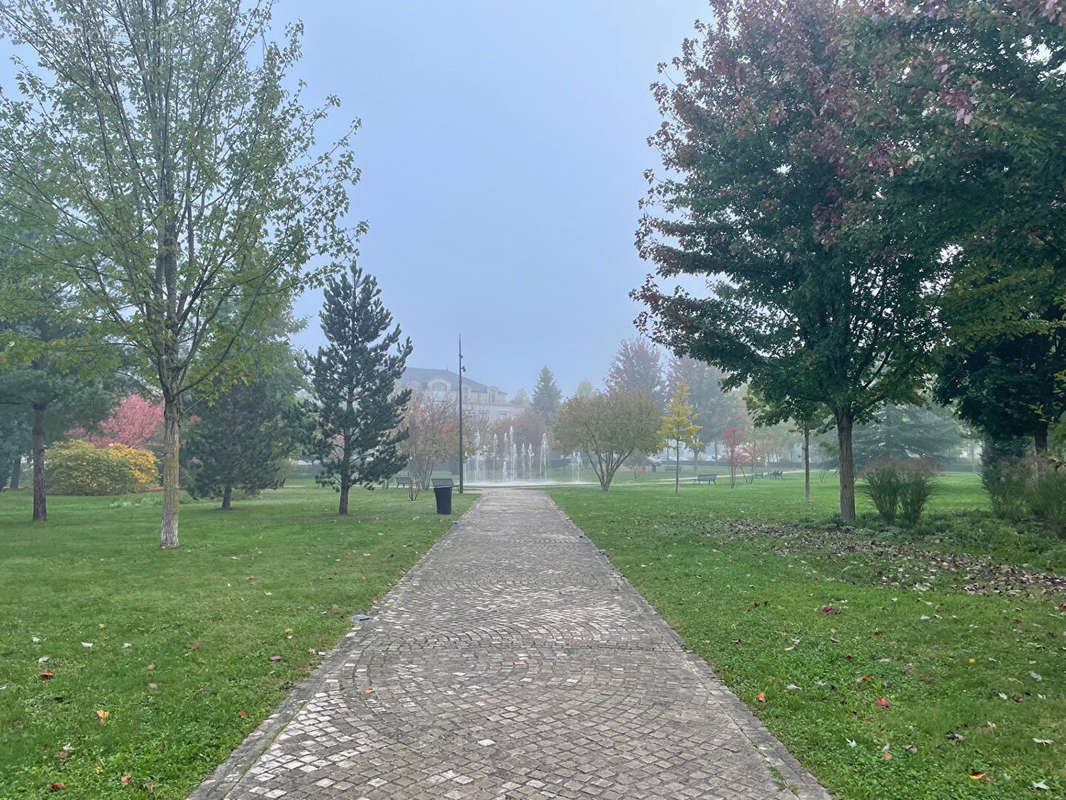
(512, 662)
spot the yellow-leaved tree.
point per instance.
(678, 429)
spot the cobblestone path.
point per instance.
(512, 662)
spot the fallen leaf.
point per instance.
(977, 775)
(57, 786)
(275, 658)
(47, 675)
(829, 610)
(243, 714)
(63, 755)
(151, 666)
(761, 697)
(1043, 741)
(126, 778)
(86, 644)
(368, 691)
(910, 748)
(42, 659)
(152, 686)
(851, 742)
(1036, 677)
(881, 701)
(1039, 785)
(101, 716)
(886, 756)
(194, 646)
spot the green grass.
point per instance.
(278, 576)
(775, 595)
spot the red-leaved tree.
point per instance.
(134, 422)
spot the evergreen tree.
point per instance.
(679, 428)
(585, 389)
(546, 396)
(357, 411)
(908, 431)
(243, 437)
(636, 368)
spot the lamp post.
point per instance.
(460, 413)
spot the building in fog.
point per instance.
(479, 399)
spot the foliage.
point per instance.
(907, 431)
(1033, 485)
(747, 593)
(14, 443)
(899, 487)
(678, 428)
(243, 436)
(732, 440)
(716, 408)
(81, 468)
(136, 422)
(607, 429)
(636, 368)
(585, 389)
(104, 584)
(546, 396)
(432, 424)
(194, 192)
(817, 297)
(356, 408)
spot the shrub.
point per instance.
(1004, 480)
(900, 487)
(1045, 493)
(80, 468)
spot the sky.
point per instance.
(502, 149)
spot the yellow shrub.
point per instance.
(80, 468)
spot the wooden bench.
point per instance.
(403, 481)
(777, 475)
(712, 478)
(759, 475)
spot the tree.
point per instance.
(732, 440)
(716, 409)
(244, 434)
(14, 442)
(521, 398)
(908, 431)
(358, 411)
(818, 297)
(807, 417)
(585, 389)
(184, 177)
(432, 424)
(546, 396)
(636, 368)
(678, 428)
(607, 428)
(55, 369)
(135, 422)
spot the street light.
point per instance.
(461, 370)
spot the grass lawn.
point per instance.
(182, 640)
(862, 647)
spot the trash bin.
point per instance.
(442, 490)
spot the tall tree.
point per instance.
(186, 177)
(56, 370)
(908, 431)
(607, 429)
(358, 411)
(432, 424)
(761, 182)
(637, 368)
(546, 396)
(585, 389)
(678, 429)
(716, 408)
(807, 417)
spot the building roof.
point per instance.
(422, 376)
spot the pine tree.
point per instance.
(636, 368)
(242, 437)
(678, 427)
(357, 411)
(546, 396)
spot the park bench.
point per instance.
(712, 478)
(403, 482)
(777, 475)
(759, 475)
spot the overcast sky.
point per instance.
(502, 149)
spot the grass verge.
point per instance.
(190, 648)
(888, 663)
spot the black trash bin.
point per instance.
(442, 490)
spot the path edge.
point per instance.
(228, 774)
(797, 778)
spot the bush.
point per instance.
(80, 468)
(900, 487)
(1034, 486)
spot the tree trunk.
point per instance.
(227, 498)
(168, 534)
(845, 419)
(677, 468)
(1040, 439)
(342, 509)
(807, 465)
(16, 472)
(40, 503)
